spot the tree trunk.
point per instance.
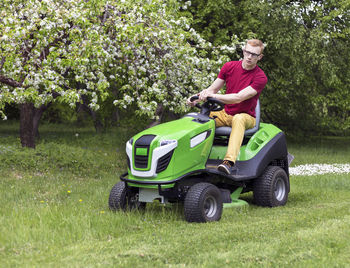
(159, 113)
(115, 116)
(97, 122)
(26, 125)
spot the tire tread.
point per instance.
(263, 188)
(192, 208)
(116, 196)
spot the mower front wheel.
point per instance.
(203, 203)
(271, 188)
(121, 198)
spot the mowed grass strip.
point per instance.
(56, 214)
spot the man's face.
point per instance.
(251, 55)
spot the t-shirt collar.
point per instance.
(245, 69)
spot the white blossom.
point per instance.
(319, 169)
(146, 50)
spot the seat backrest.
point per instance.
(226, 131)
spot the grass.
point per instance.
(54, 211)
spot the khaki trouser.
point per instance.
(239, 123)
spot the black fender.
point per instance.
(275, 149)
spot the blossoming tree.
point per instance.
(70, 51)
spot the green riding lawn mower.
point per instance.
(176, 162)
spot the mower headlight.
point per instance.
(167, 142)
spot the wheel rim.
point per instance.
(280, 189)
(210, 206)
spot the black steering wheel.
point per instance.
(211, 105)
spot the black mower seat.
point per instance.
(226, 131)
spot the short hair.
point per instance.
(256, 43)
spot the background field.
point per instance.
(54, 211)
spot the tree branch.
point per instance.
(54, 43)
(26, 50)
(2, 62)
(9, 81)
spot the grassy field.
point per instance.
(54, 211)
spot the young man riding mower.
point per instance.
(191, 160)
(244, 84)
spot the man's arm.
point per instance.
(213, 89)
(243, 95)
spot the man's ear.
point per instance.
(261, 56)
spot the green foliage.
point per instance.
(216, 20)
(44, 44)
(311, 78)
(306, 57)
(139, 53)
(147, 55)
(59, 113)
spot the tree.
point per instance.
(306, 57)
(162, 59)
(46, 47)
(307, 62)
(74, 51)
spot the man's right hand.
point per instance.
(203, 95)
(192, 103)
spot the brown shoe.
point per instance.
(227, 167)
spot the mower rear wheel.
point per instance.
(203, 203)
(271, 188)
(120, 198)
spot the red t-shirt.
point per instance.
(236, 79)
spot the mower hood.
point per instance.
(184, 143)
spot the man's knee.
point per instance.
(219, 118)
(238, 119)
(244, 120)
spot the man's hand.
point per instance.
(207, 94)
(212, 90)
(203, 95)
(192, 103)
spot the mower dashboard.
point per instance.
(199, 118)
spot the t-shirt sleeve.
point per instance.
(223, 72)
(259, 82)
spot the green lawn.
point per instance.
(54, 211)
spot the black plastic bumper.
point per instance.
(230, 179)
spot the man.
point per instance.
(244, 83)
